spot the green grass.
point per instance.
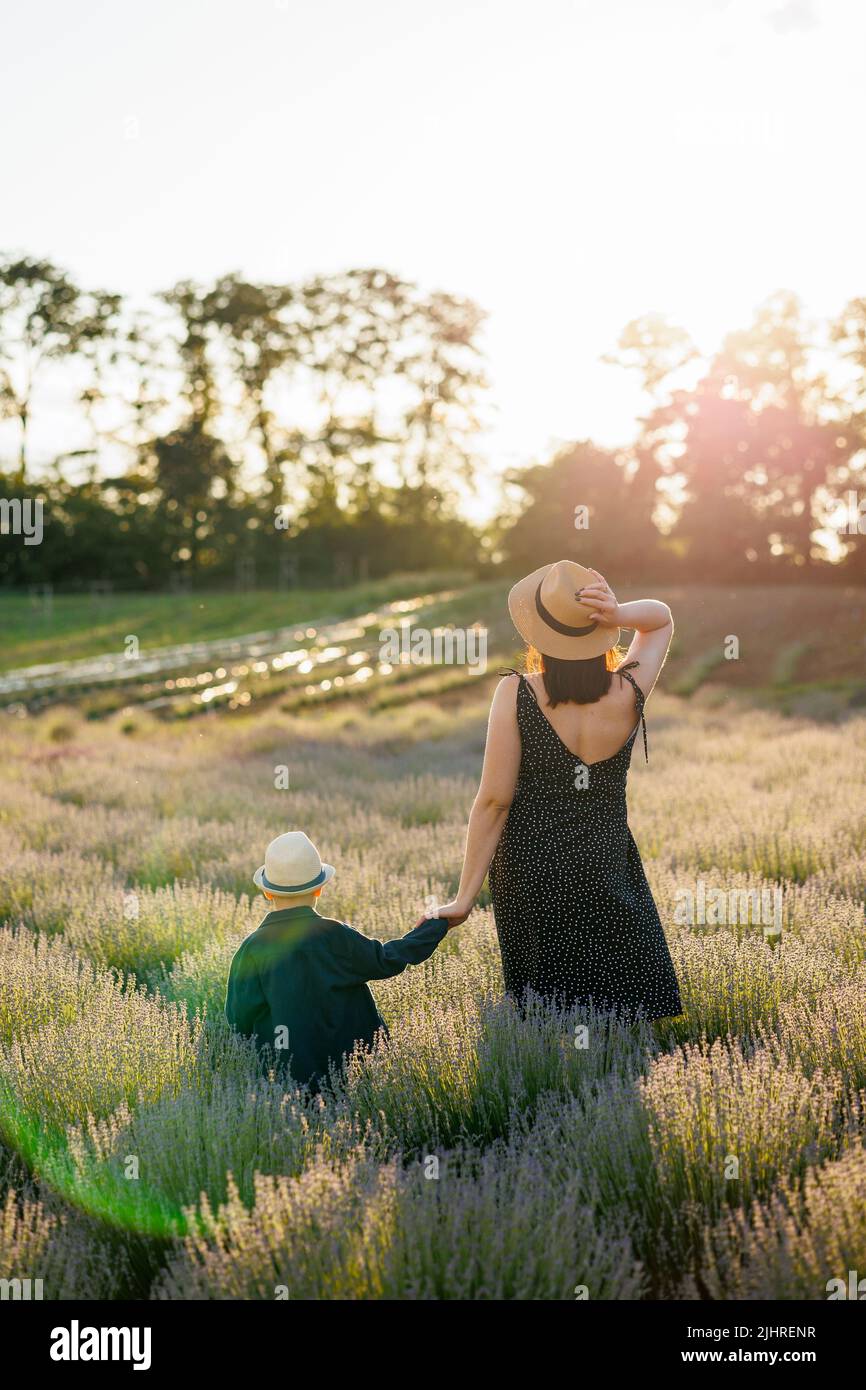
(77, 626)
(787, 662)
(775, 662)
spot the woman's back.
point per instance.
(592, 733)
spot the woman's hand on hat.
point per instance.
(600, 599)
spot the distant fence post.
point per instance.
(245, 574)
(44, 594)
(287, 575)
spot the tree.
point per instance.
(131, 387)
(397, 374)
(194, 478)
(193, 306)
(262, 341)
(723, 525)
(656, 349)
(444, 372)
(769, 361)
(848, 332)
(790, 445)
(44, 316)
(660, 352)
(602, 533)
(750, 446)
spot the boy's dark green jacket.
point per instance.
(306, 976)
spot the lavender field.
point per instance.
(481, 1155)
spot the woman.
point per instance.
(574, 914)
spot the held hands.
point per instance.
(600, 599)
(455, 912)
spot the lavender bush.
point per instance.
(483, 1152)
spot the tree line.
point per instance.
(749, 465)
(322, 431)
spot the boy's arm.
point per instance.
(244, 995)
(379, 960)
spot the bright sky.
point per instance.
(570, 164)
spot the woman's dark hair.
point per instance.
(582, 682)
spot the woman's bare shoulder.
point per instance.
(505, 695)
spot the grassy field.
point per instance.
(71, 627)
(480, 1155)
(800, 651)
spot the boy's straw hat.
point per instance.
(292, 866)
(545, 608)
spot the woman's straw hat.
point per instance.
(292, 866)
(545, 608)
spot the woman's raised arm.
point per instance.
(648, 618)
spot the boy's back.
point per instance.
(299, 984)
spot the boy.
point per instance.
(299, 983)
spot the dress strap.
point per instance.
(524, 692)
(620, 671)
(639, 698)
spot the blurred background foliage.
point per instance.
(330, 432)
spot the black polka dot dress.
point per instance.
(574, 914)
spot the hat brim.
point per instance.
(261, 881)
(534, 630)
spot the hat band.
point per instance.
(557, 626)
(293, 888)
